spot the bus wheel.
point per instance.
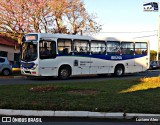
(64, 73)
(119, 70)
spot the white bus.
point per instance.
(65, 55)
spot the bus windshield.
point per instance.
(155, 5)
(29, 51)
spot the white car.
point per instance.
(5, 67)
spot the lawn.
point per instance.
(118, 95)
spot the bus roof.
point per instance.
(70, 36)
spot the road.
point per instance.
(86, 78)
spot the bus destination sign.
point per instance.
(31, 38)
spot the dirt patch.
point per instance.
(44, 88)
(83, 92)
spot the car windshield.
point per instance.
(29, 51)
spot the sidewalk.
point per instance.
(84, 114)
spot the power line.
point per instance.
(146, 36)
(132, 32)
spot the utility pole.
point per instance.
(158, 37)
(81, 33)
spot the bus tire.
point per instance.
(119, 70)
(64, 73)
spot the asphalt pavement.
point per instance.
(83, 78)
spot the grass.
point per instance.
(133, 95)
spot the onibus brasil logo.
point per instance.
(150, 6)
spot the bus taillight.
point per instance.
(34, 73)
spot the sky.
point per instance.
(126, 16)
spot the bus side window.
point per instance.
(98, 47)
(64, 46)
(127, 48)
(47, 49)
(140, 48)
(113, 47)
(81, 47)
(65, 51)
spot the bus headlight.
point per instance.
(35, 66)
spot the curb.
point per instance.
(84, 114)
(9, 77)
(11, 112)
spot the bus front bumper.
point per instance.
(29, 72)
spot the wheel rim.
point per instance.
(119, 71)
(64, 73)
(6, 72)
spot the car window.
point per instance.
(2, 60)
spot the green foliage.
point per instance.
(18, 17)
(153, 55)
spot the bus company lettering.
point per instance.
(86, 62)
(116, 57)
(83, 63)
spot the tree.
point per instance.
(50, 16)
(79, 20)
(153, 55)
(12, 18)
(23, 16)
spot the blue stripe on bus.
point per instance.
(107, 57)
(103, 57)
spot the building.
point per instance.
(11, 49)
